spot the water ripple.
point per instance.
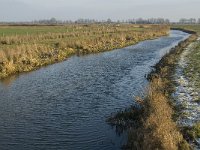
(64, 106)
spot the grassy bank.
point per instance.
(191, 73)
(193, 65)
(24, 48)
(193, 59)
(195, 28)
(155, 126)
(159, 131)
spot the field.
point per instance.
(25, 48)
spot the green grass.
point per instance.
(192, 71)
(195, 28)
(193, 68)
(192, 132)
(15, 35)
(30, 30)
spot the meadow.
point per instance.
(25, 48)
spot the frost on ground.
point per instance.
(187, 96)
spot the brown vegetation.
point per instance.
(157, 130)
(27, 51)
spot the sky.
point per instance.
(28, 10)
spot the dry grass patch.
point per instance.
(25, 51)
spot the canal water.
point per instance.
(64, 106)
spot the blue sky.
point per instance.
(27, 10)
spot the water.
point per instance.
(64, 106)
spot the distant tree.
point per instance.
(167, 21)
(53, 21)
(192, 20)
(187, 21)
(109, 20)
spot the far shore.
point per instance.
(24, 49)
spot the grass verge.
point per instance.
(191, 73)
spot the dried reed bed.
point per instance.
(157, 130)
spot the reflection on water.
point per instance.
(7, 81)
(65, 105)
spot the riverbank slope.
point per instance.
(153, 125)
(187, 92)
(159, 130)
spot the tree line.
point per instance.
(189, 21)
(54, 21)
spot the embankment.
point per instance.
(159, 127)
(187, 94)
(153, 126)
